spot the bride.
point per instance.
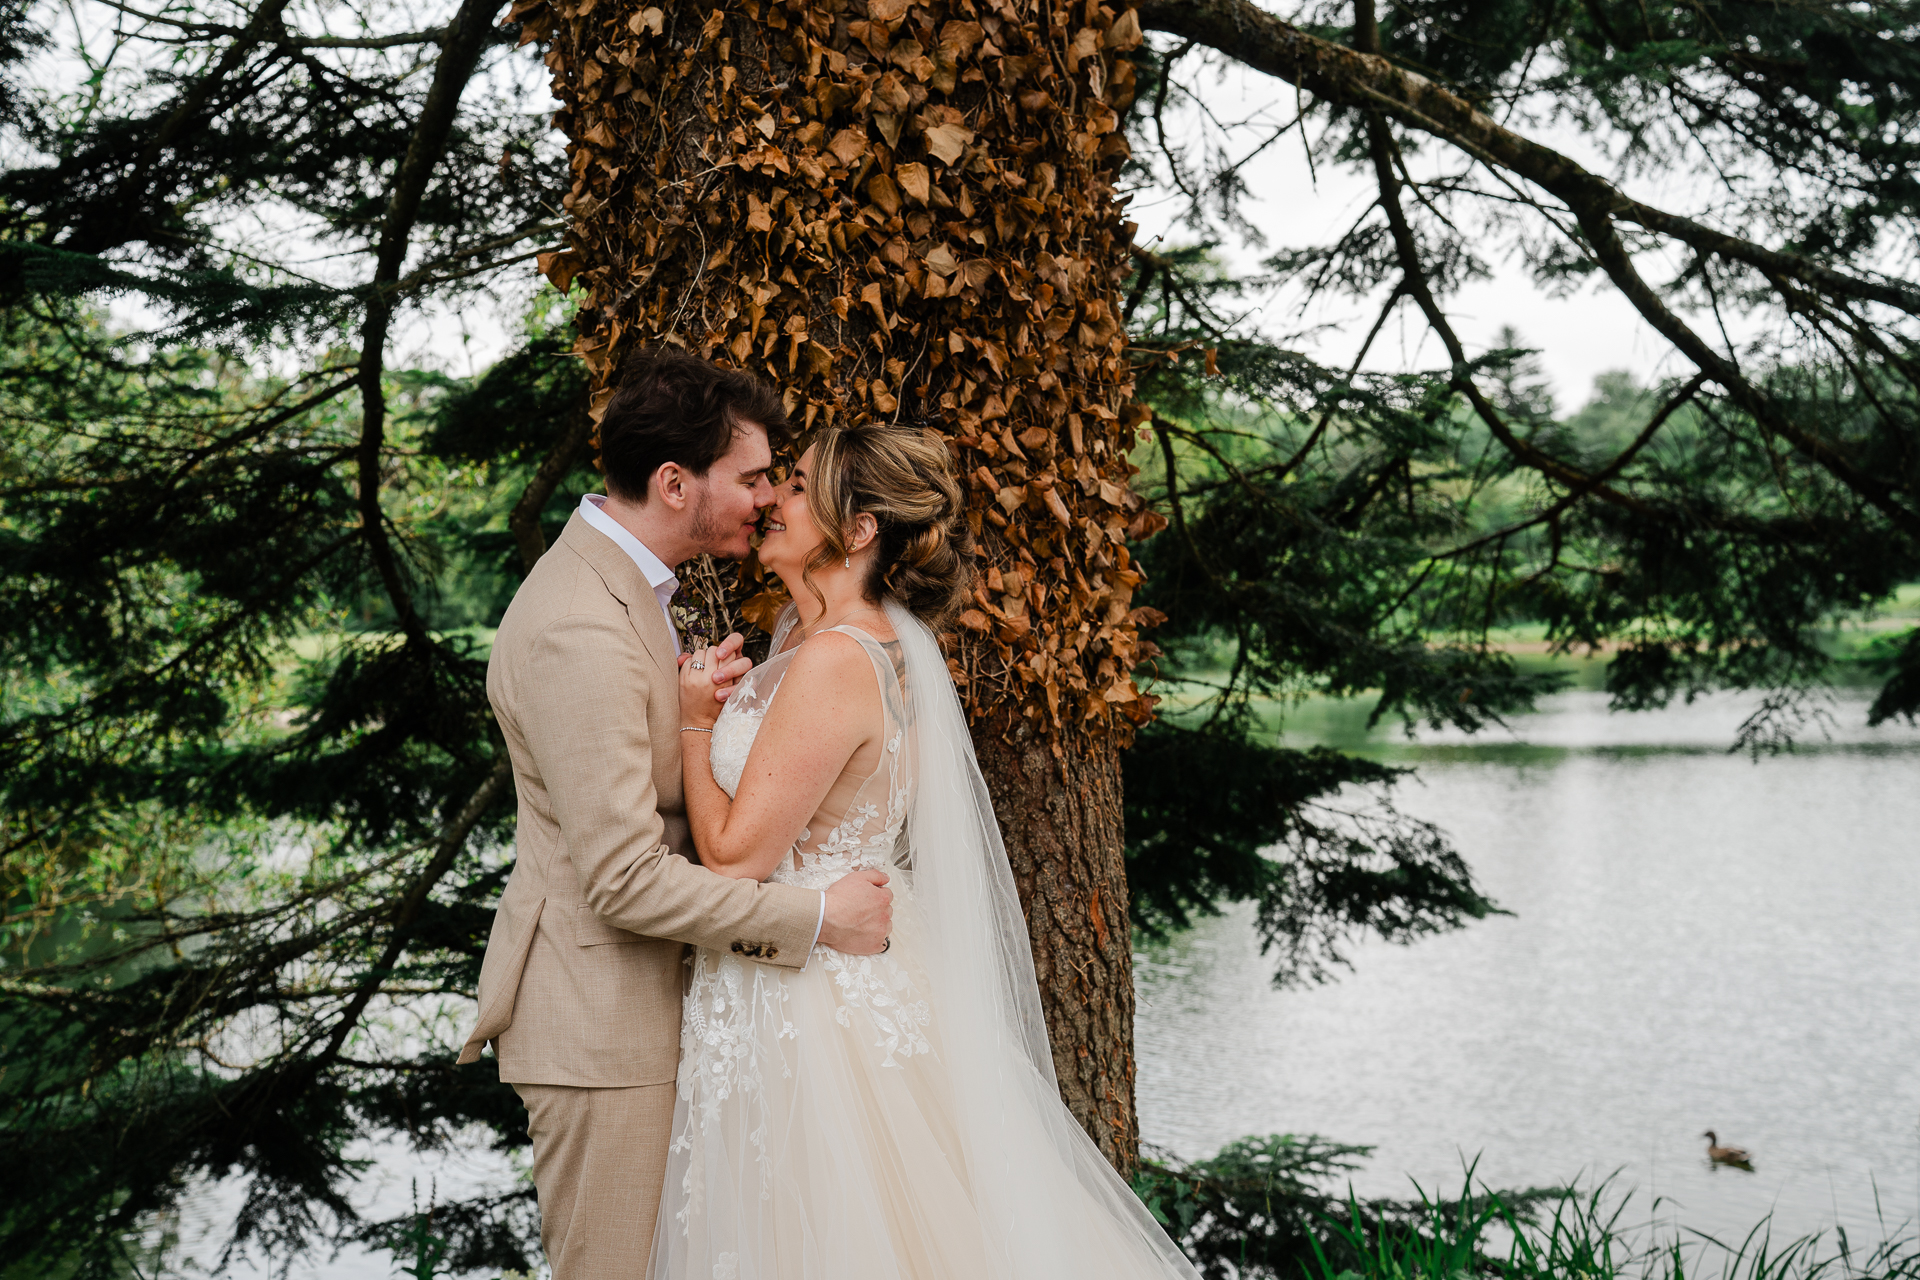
(883, 1116)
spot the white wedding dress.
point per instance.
(889, 1117)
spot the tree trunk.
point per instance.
(905, 211)
(1063, 825)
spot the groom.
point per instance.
(580, 990)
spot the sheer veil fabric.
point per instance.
(895, 1115)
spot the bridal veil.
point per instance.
(1049, 1203)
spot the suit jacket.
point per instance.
(582, 979)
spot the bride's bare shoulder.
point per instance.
(830, 661)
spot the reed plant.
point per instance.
(1583, 1236)
(1260, 1210)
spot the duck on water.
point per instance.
(1738, 1157)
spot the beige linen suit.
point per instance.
(580, 989)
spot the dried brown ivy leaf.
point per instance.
(884, 212)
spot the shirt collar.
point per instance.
(650, 565)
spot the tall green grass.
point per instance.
(1581, 1236)
(1257, 1211)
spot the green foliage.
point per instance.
(219, 802)
(1710, 528)
(507, 413)
(1569, 1235)
(1361, 534)
(1213, 817)
(160, 153)
(1372, 536)
(454, 1240)
(252, 813)
(428, 1249)
(1254, 1209)
(206, 303)
(1267, 1208)
(19, 38)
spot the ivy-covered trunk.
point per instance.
(905, 211)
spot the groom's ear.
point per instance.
(670, 484)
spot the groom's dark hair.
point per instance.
(672, 406)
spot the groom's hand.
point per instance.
(724, 662)
(859, 914)
(727, 664)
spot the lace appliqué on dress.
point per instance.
(848, 847)
(717, 1040)
(732, 740)
(879, 988)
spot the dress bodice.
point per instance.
(859, 823)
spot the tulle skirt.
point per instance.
(818, 1135)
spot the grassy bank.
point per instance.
(1860, 648)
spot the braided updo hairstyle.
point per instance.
(904, 478)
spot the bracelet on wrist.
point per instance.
(693, 728)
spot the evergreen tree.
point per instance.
(255, 811)
(1337, 531)
(1775, 487)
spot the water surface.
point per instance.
(1699, 941)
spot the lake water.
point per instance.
(1698, 941)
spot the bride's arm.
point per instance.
(826, 708)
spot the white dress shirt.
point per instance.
(664, 584)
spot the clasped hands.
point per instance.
(708, 677)
(859, 906)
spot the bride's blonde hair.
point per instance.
(904, 478)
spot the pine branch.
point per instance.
(264, 24)
(204, 30)
(453, 840)
(1415, 281)
(1320, 428)
(119, 693)
(1353, 78)
(1618, 263)
(421, 280)
(524, 520)
(433, 35)
(1600, 477)
(467, 35)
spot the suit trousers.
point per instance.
(599, 1159)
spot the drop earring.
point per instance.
(846, 561)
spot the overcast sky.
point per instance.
(1590, 332)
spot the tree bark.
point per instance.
(903, 210)
(1067, 848)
